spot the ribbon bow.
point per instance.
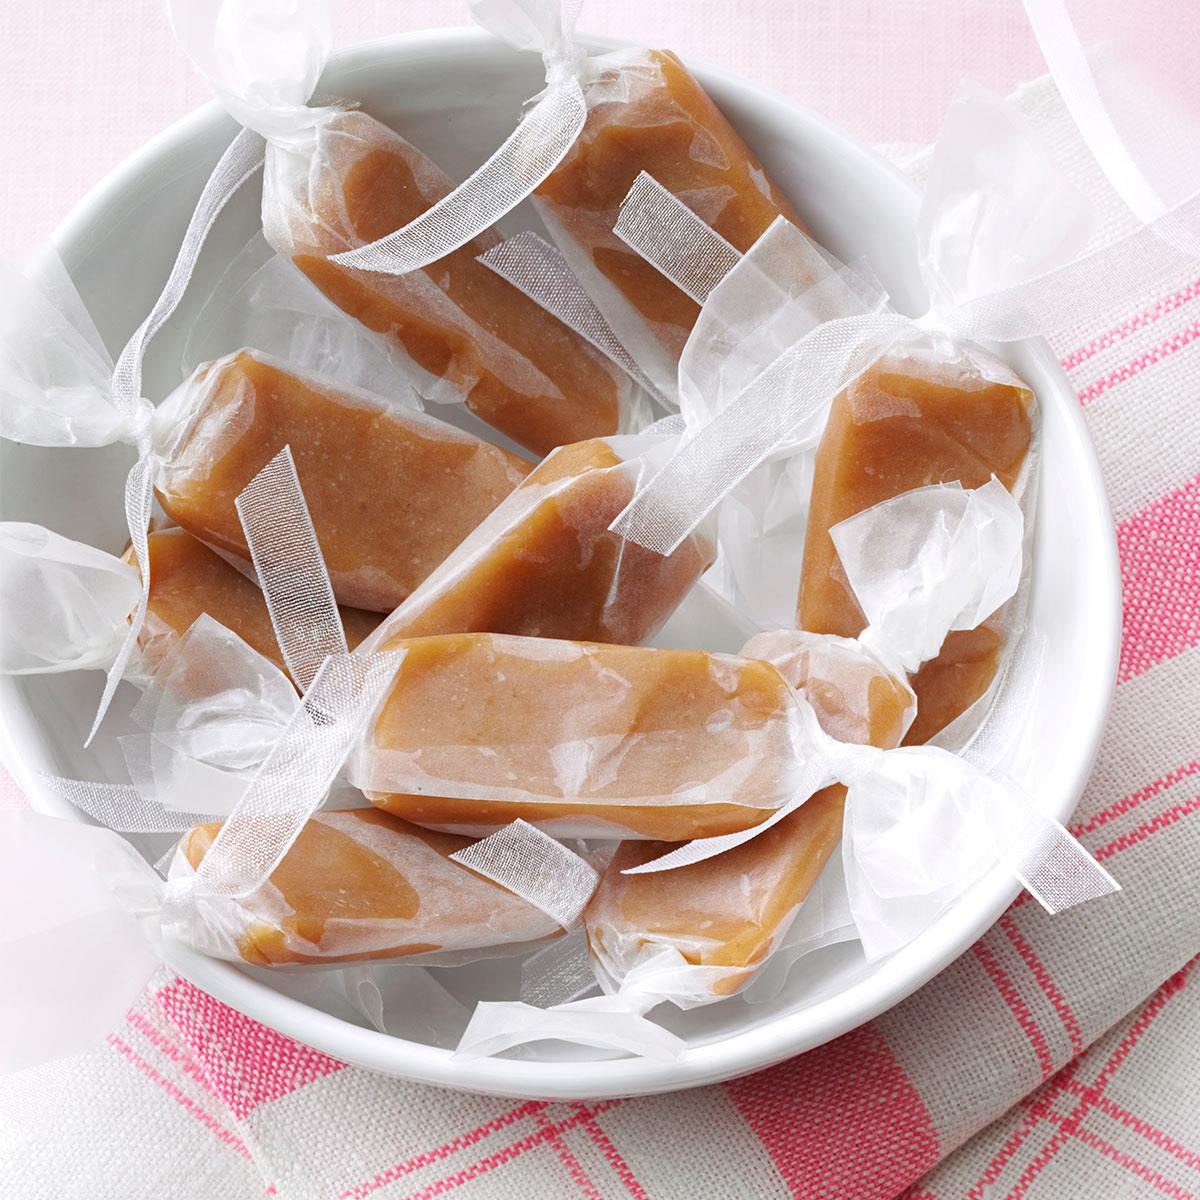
(263, 59)
(56, 394)
(527, 156)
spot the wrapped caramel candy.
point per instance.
(545, 564)
(728, 912)
(471, 335)
(188, 579)
(583, 739)
(922, 415)
(336, 180)
(646, 112)
(361, 885)
(391, 491)
(732, 910)
(66, 606)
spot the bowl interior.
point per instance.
(456, 95)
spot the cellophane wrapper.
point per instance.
(645, 112)
(466, 333)
(358, 885)
(417, 485)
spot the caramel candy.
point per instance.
(913, 419)
(545, 564)
(647, 113)
(391, 491)
(725, 912)
(731, 910)
(854, 697)
(582, 738)
(362, 885)
(188, 579)
(519, 368)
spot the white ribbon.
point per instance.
(1064, 55)
(120, 807)
(294, 778)
(789, 395)
(132, 415)
(55, 394)
(999, 238)
(209, 716)
(291, 569)
(538, 144)
(561, 971)
(670, 237)
(538, 269)
(533, 865)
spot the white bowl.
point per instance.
(456, 94)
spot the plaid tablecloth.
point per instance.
(1058, 1058)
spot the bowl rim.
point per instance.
(739, 1053)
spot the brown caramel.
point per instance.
(664, 124)
(391, 491)
(546, 565)
(523, 372)
(362, 885)
(904, 425)
(188, 579)
(574, 734)
(728, 911)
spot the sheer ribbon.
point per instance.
(48, 406)
(294, 778)
(533, 865)
(236, 165)
(523, 161)
(291, 569)
(1068, 64)
(264, 58)
(537, 145)
(538, 269)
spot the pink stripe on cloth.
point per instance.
(587, 1189)
(1156, 312)
(1051, 990)
(1161, 821)
(1071, 1124)
(180, 1097)
(824, 1116)
(547, 1133)
(1172, 345)
(1129, 1163)
(608, 1148)
(1134, 799)
(186, 1063)
(415, 1163)
(247, 1063)
(1019, 1009)
(1160, 571)
(1035, 1112)
(1157, 1137)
